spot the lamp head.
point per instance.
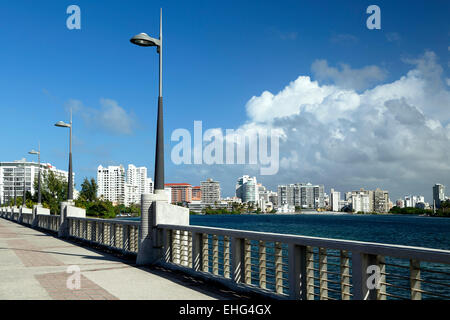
(143, 40)
(62, 124)
(33, 152)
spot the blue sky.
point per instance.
(217, 56)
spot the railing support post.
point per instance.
(297, 271)
(238, 259)
(196, 251)
(360, 263)
(414, 275)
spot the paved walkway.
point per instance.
(33, 265)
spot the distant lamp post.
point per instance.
(24, 195)
(39, 171)
(143, 40)
(62, 124)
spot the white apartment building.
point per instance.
(335, 200)
(111, 183)
(360, 202)
(210, 190)
(17, 174)
(120, 187)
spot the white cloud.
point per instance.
(346, 77)
(110, 117)
(394, 136)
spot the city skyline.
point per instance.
(378, 120)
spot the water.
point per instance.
(430, 232)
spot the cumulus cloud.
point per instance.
(395, 136)
(346, 77)
(344, 38)
(110, 117)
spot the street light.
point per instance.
(62, 124)
(143, 40)
(39, 170)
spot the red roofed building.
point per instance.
(181, 192)
(196, 193)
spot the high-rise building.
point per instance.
(304, 195)
(14, 175)
(438, 194)
(210, 191)
(180, 192)
(247, 189)
(360, 202)
(111, 183)
(196, 193)
(378, 200)
(335, 198)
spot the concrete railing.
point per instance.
(115, 234)
(48, 222)
(280, 265)
(298, 267)
(27, 218)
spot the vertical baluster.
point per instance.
(215, 249)
(248, 262)
(414, 276)
(205, 253)
(125, 237)
(189, 236)
(309, 273)
(262, 264)
(226, 257)
(323, 276)
(381, 292)
(278, 267)
(345, 275)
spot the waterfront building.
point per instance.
(305, 196)
(400, 203)
(335, 198)
(210, 191)
(246, 189)
(196, 193)
(15, 175)
(381, 201)
(111, 184)
(361, 202)
(438, 194)
(180, 192)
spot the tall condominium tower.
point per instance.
(210, 191)
(111, 183)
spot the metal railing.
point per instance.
(286, 266)
(27, 218)
(115, 234)
(298, 267)
(48, 222)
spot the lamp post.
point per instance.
(39, 171)
(70, 180)
(24, 195)
(144, 40)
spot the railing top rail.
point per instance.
(392, 250)
(48, 215)
(118, 221)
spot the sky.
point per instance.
(354, 107)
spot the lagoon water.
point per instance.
(431, 232)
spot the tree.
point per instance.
(89, 189)
(53, 190)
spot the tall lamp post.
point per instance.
(70, 182)
(144, 40)
(39, 171)
(24, 195)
